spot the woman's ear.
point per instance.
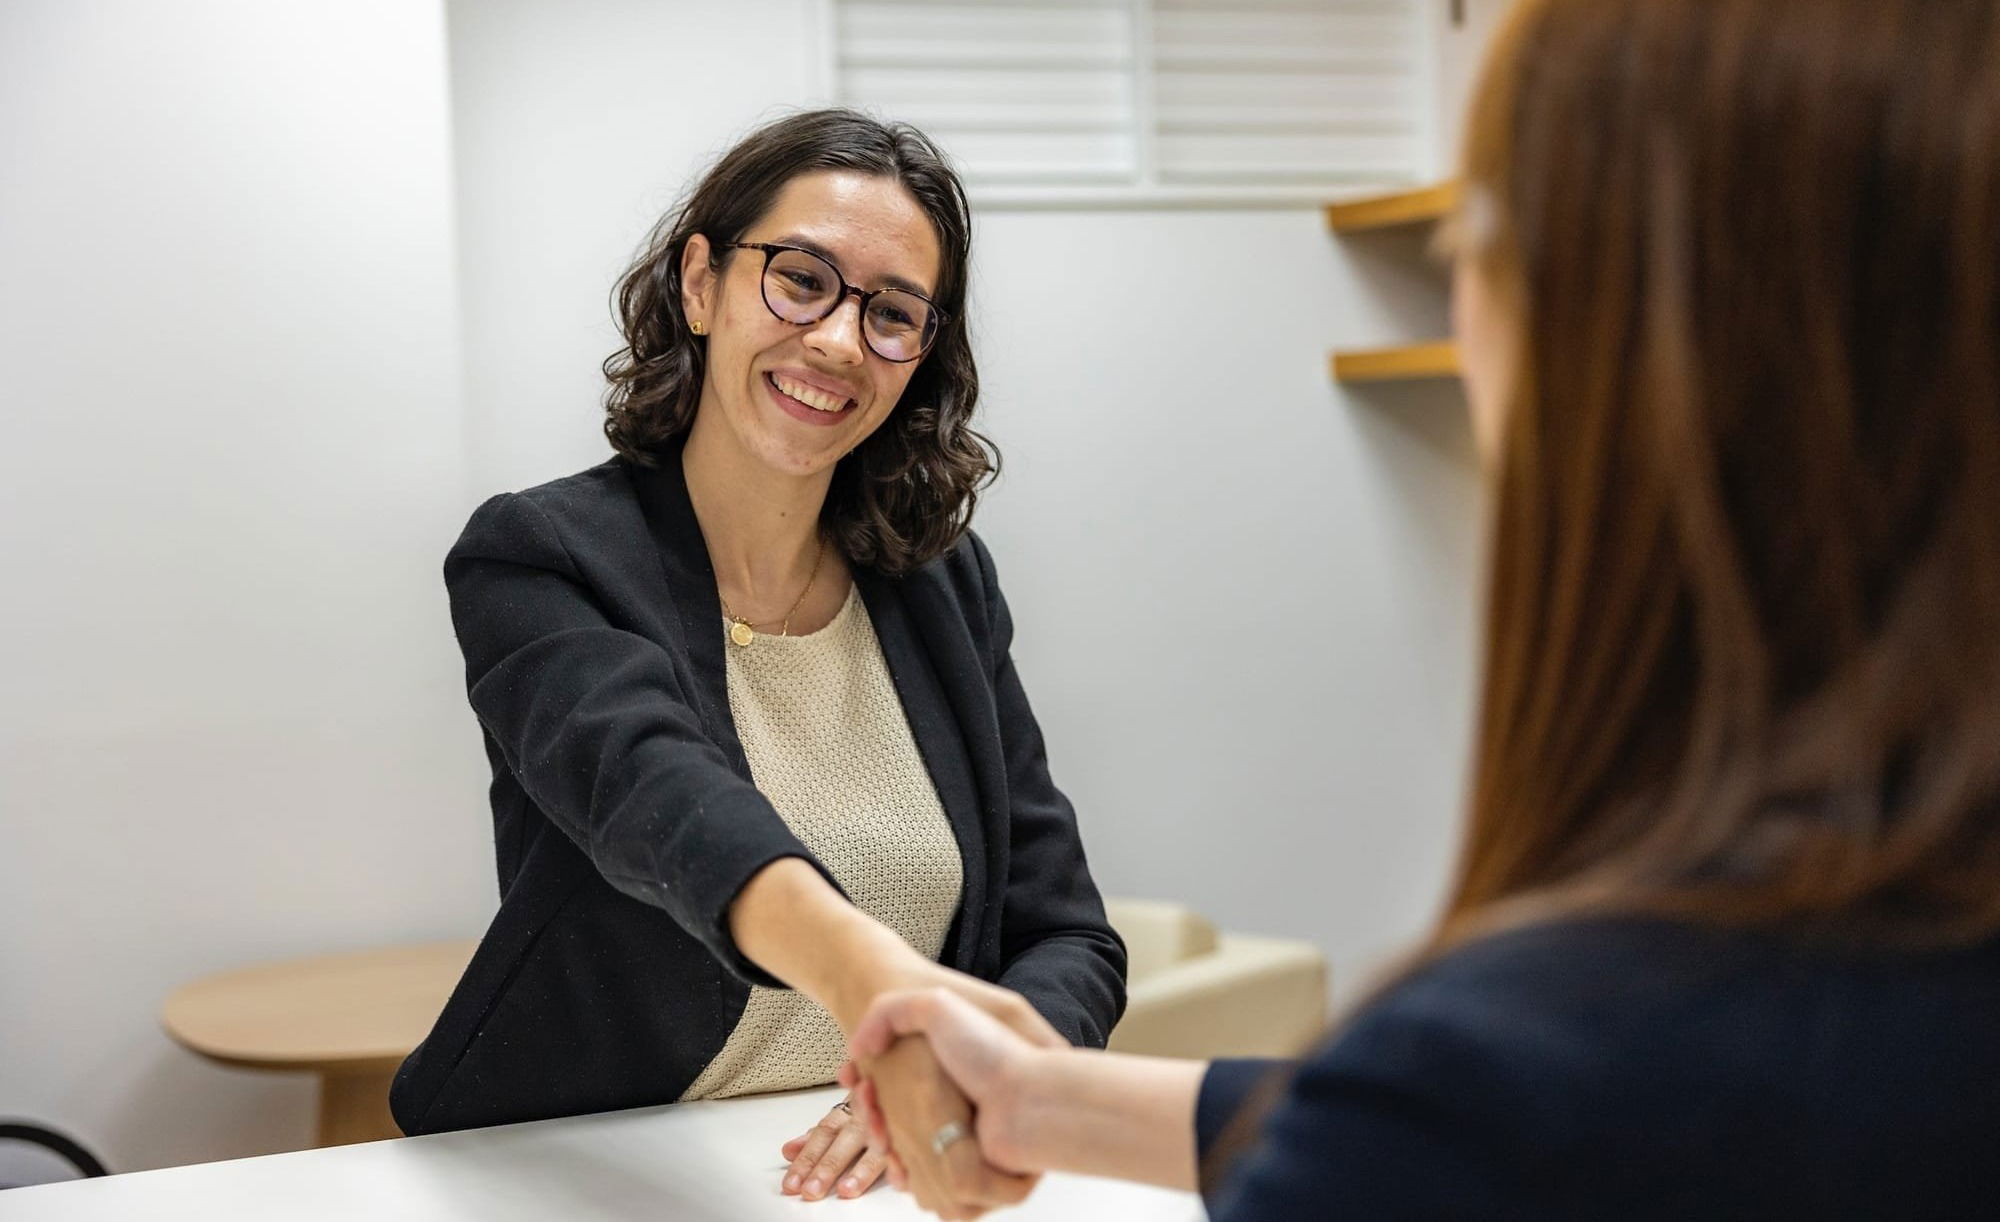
(697, 282)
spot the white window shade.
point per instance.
(1019, 93)
(1271, 92)
(1128, 99)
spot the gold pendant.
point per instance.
(741, 632)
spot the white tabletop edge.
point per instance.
(694, 1162)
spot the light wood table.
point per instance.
(349, 1018)
(688, 1162)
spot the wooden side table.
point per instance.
(350, 1018)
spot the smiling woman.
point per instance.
(782, 336)
(891, 217)
(759, 752)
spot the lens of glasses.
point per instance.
(802, 288)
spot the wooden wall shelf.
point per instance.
(1401, 208)
(1407, 363)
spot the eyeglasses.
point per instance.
(802, 288)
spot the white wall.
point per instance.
(231, 457)
(1244, 597)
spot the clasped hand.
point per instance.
(925, 1059)
(900, 1086)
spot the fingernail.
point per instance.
(850, 1186)
(812, 1188)
(792, 1183)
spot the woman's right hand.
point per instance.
(915, 1102)
(987, 1060)
(959, 1182)
(790, 921)
(841, 1155)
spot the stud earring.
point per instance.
(697, 328)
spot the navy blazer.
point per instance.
(1638, 1069)
(625, 820)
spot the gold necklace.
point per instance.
(742, 631)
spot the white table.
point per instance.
(689, 1162)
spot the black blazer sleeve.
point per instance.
(593, 721)
(1057, 948)
(1225, 1089)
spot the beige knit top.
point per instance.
(829, 745)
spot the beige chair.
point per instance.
(1194, 992)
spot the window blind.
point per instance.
(1286, 92)
(1146, 93)
(1017, 92)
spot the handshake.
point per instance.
(936, 1076)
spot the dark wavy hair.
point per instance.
(905, 495)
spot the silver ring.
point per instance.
(947, 1133)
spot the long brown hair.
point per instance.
(1743, 633)
(906, 494)
(1743, 623)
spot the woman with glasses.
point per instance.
(1725, 937)
(759, 752)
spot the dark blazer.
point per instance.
(1638, 1069)
(625, 820)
